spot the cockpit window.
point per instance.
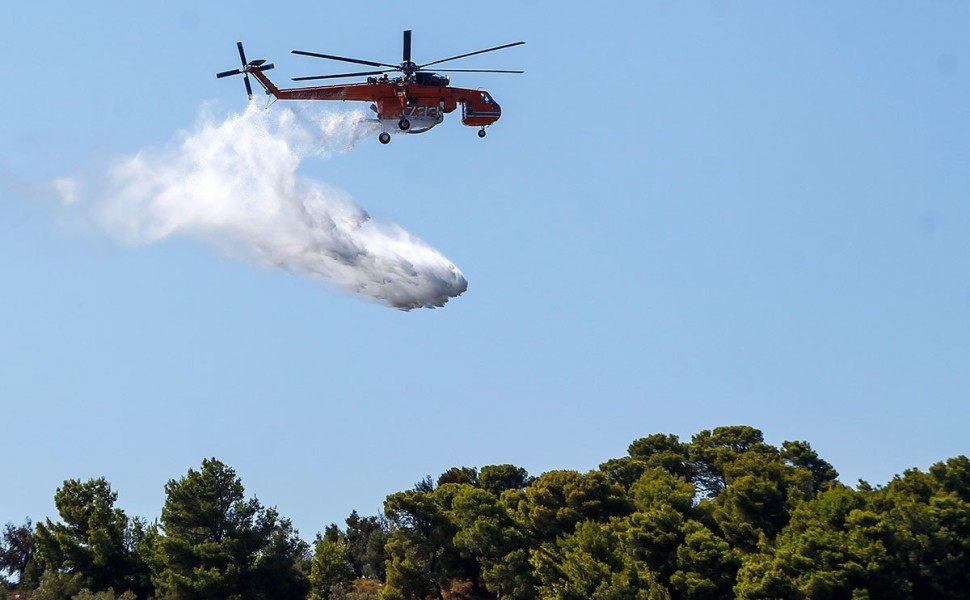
(487, 98)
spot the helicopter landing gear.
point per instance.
(404, 124)
(481, 132)
(385, 138)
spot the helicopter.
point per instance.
(413, 102)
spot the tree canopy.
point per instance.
(212, 542)
(725, 515)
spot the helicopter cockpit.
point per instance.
(487, 99)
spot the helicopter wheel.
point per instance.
(481, 132)
(404, 124)
(385, 138)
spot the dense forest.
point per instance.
(725, 515)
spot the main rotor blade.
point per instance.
(350, 60)
(228, 73)
(242, 55)
(362, 73)
(407, 45)
(249, 88)
(474, 71)
(471, 54)
(266, 67)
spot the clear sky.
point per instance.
(691, 214)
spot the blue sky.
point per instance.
(691, 214)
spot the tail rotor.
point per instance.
(245, 69)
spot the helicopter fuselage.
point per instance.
(413, 103)
(421, 105)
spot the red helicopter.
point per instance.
(414, 102)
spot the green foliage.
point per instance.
(832, 548)
(17, 550)
(213, 543)
(706, 564)
(366, 538)
(749, 488)
(726, 515)
(801, 455)
(486, 531)
(656, 487)
(426, 485)
(349, 565)
(459, 475)
(750, 508)
(95, 543)
(56, 585)
(658, 451)
(557, 501)
(331, 569)
(496, 479)
(713, 453)
(908, 540)
(108, 594)
(652, 537)
(928, 517)
(410, 571)
(421, 556)
(591, 563)
(953, 477)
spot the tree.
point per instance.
(832, 548)
(724, 516)
(496, 479)
(654, 532)
(422, 559)
(928, 520)
(95, 544)
(17, 551)
(592, 564)
(664, 452)
(213, 543)
(366, 538)
(953, 477)
(557, 501)
(714, 452)
(57, 585)
(656, 487)
(330, 568)
(409, 573)
(748, 488)
(652, 537)
(706, 564)
(658, 451)
(282, 562)
(459, 475)
(760, 494)
(425, 486)
(801, 455)
(488, 533)
(108, 594)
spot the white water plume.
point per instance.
(235, 184)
